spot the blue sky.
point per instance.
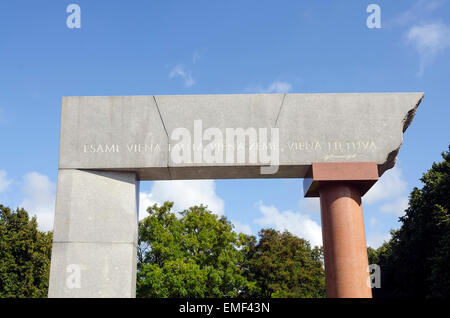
(205, 47)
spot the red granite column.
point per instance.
(340, 187)
(344, 241)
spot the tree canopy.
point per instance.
(198, 255)
(195, 255)
(283, 265)
(414, 263)
(24, 255)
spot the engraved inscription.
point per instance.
(116, 148)
(336, 149)
(100, 148)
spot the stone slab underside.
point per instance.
(135, 133)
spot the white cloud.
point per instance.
(390, 185)
(198, 53)
(310, 205)
(39, 199)
(391, 191)
(298, 224)
(184, 194)
(277, 87)
(373, 221)
(425, 33)
(241, 228)
(180, 71)
(429, 40)
(375, 240)
(4, 181)
(397, 207)
(195, 57)
(430, 37)
(145, 200)
(419, 10)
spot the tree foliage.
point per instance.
(195, 255)
(198, 255)
(414, 263)
(24, 255)
(283, 265)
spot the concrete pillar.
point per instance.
(95, 234)
(344, 241)
(340, 187)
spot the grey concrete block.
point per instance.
(118, 132)
(96, 206)
(95, 234)
(345, 127)
(219, 112)
(312, 128)
(93, 270)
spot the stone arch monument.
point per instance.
(339, 143)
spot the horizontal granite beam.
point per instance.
(198, 136)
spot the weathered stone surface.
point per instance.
(93, 270)
(96, 206)
(216, 111)
(95, 233)
(345, 127)
(138, 133)
(97, 133)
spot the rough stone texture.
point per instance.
(106, 270)
(217, 111)
(348, 127)
(111, 122)
(104, 132)
(95, 229)
(95, 207)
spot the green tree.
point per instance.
(283, 265)
(195, 255)
(414, 263)
(24, 255)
